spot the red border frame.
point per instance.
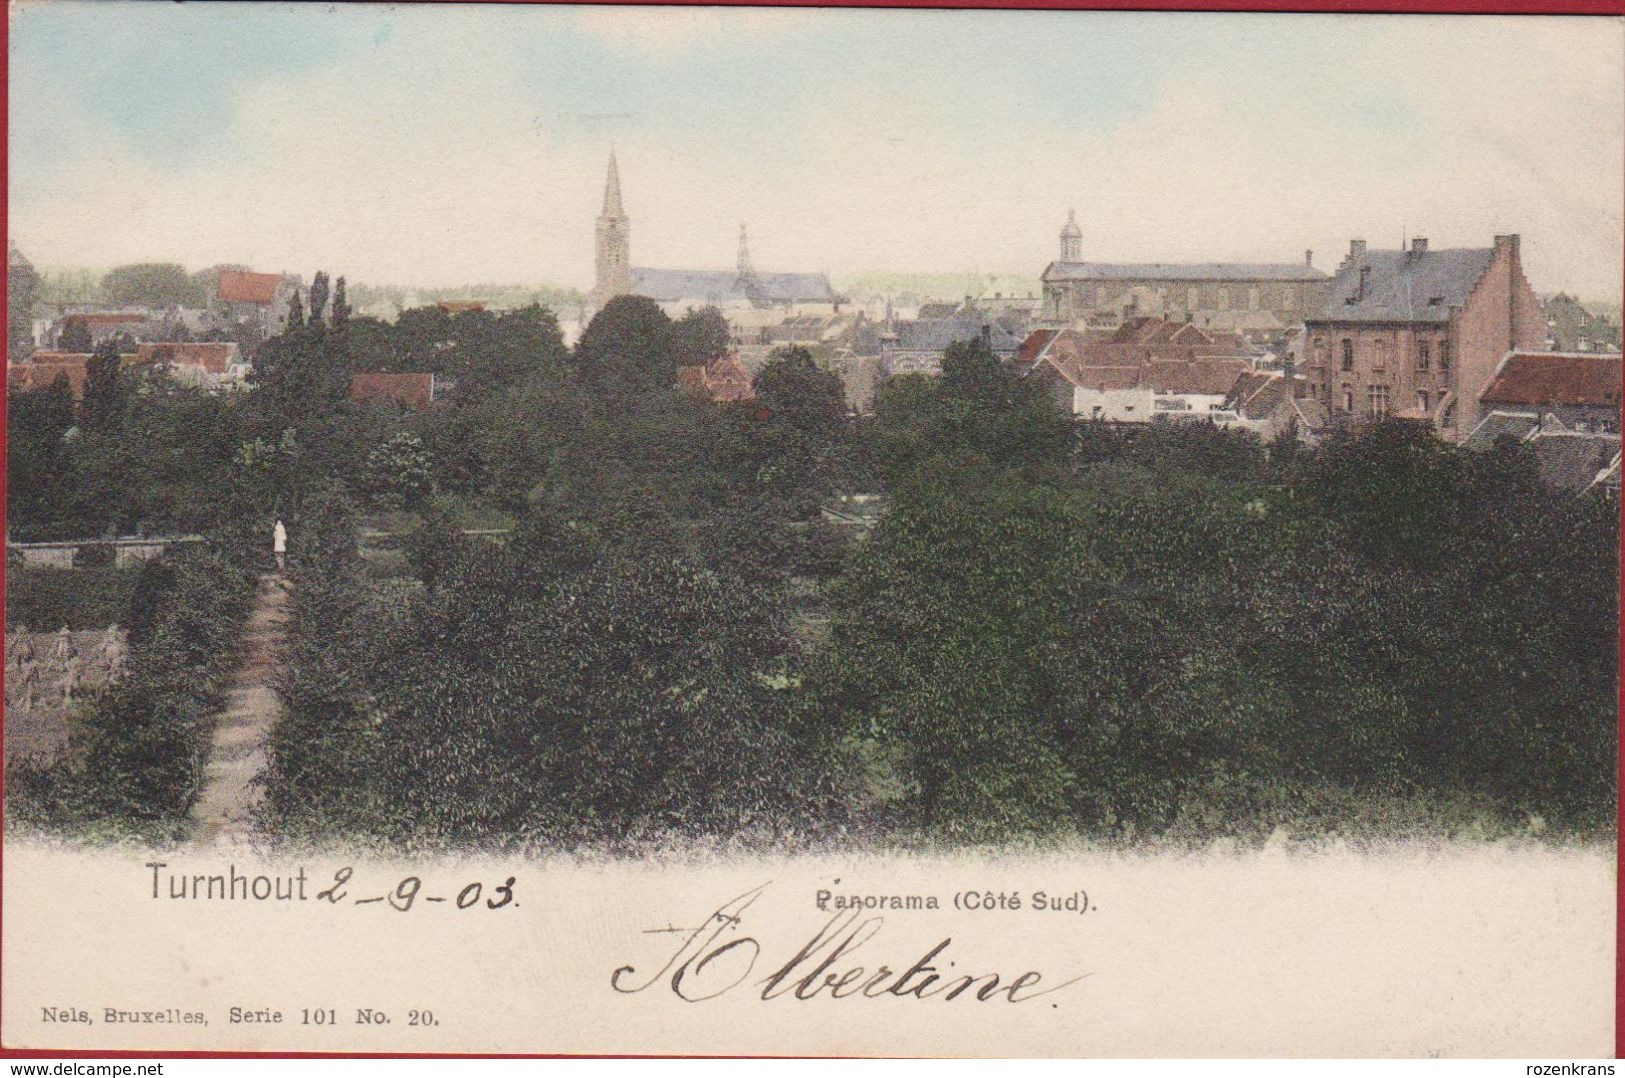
(1397, 7)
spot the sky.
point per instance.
(445, 144)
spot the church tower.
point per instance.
(1071, 239)
(614, 243)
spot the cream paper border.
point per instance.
(1413, 951)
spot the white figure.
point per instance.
(279, 544)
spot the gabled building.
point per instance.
(724, 381)
(1570, 327)
(918, 346)
(1419, 333)
(257, 302)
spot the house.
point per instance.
(257, 302)
(205, 364)
(416, 391)
(1570, 327)
(724, 381)
(1234, 296)
(1580, 388)
(99, 326)
(44, 367)
(1419, 333)
(460, 306)
(918, 346)
(1578, 460)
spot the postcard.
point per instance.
(729, 531)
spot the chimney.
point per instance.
(1508, 244)
(1308, 258)
(1356, 249)
(1419, 246)
(1365, 276)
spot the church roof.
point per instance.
(716, 286)
(1182, 271)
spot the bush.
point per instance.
(47, 599)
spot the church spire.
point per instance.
(613, 243)
(612, 190)
(744, 254)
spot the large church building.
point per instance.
(1231, 296)
(680, 290)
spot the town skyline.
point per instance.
(415, 151)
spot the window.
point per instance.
(1449, 417)
(1379, 355)
(1348, 399)
(1376, 401)
(1192, 299)
(1424, 354)
(1252, 299)
(1422, 401)
(1289, 298)
(1224, 299)
(1444, 355)
(1348, 354)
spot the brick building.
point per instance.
(1419, 333)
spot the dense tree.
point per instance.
(75, 337)
(107, 391)
(628, 348)
(977, 411)
(701, 337)
(318, 297)
(791, 445)
(341, 304)
(151, 284)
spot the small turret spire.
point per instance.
(1071, 239)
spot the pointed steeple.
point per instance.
(744, 254)
(613, 242)
(612, 190)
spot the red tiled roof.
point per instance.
(1537, 378)
(48, 356)
(722, 381)
(104, 318)
(1099, 378)
(411, 390)
(458, 306)
(1034, 344)
(1215, 377)
(212, 356)
(239, 286)
(26, 376)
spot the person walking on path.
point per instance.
(279, 544)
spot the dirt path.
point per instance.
(238, 753)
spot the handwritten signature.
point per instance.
(717, 957)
